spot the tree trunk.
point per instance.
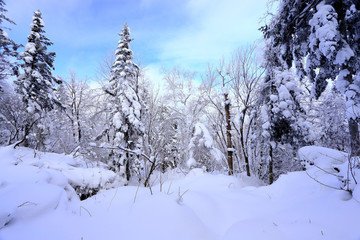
(25, 141)
(354, 138)
(242, 142)
(353, 123)
(78, 126)
(228, 136)
(27, 130)
(127, 170)
(152, 168)
(271, 171)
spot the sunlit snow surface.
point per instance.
(37, 202)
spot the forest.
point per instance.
(280, 115)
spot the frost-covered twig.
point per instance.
(168, 191)
(331, 157)
(126, 150)
(312, 163)
(136, 192)
(26, 133)
(326, 170)
(350, 169)
(324, 183)
(114, 195)
(179, 200)
(81, 207)
(27, 203)
(150, 189)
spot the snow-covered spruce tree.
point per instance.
(283, 128)
(7, 48)
(125, 127)
(325, 35)
(340, 52)
(36, 84)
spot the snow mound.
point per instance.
(331, 168)
(82, 175)
(323, 157)
(32, 183)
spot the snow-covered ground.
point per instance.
(37, 201)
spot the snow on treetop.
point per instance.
(37, 17)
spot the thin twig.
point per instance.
(81, 207)
(169, 189)
(324, 183)
(126, 150)
(117, 187)
(136, 192)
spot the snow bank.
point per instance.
(325, 165)
(331, 167)
(33, 183)
(194, 206)
(26, 190)
(81, 174)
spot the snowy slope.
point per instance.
(196, 206)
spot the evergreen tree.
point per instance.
(283, 128)
(7, 47)
(325, 35)
(126, 128)
(36, 84)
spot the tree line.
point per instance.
(249, 113)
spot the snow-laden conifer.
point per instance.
(125, 126)
(36, 84)
(7, 47)
(283, 128)
(322, 39)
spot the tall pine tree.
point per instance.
(126, 128)
(36, 84)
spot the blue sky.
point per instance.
(189, 33)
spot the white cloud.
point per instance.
(190, 33)
(155, 75)
(217, 28)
